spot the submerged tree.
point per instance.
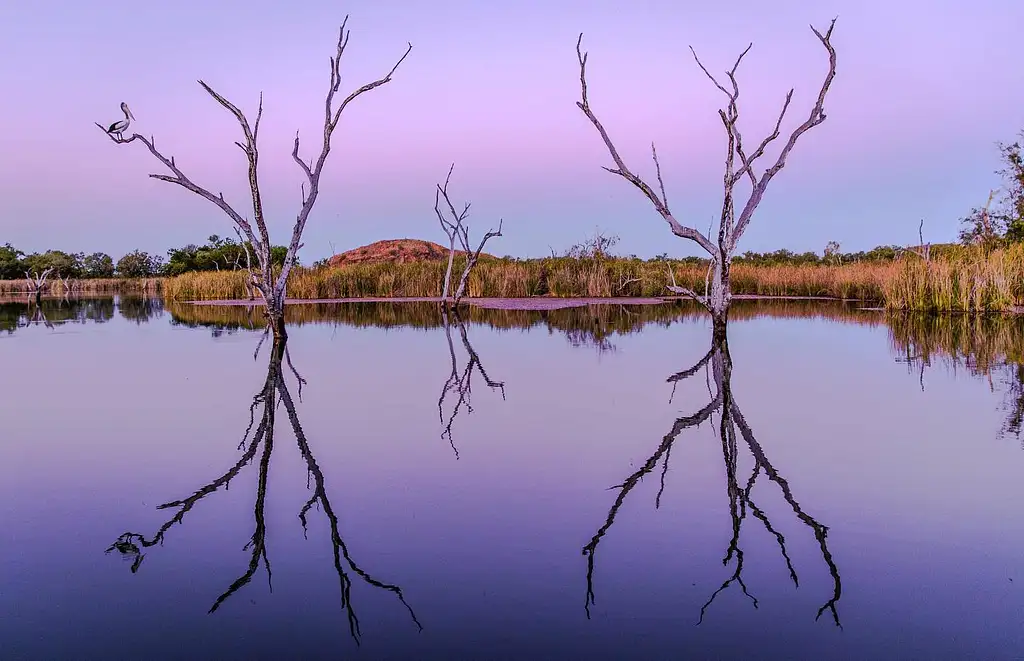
(731, 226)
(36, 281)
(270, 284)
(732, 428)
(457, 229)
(275, 392)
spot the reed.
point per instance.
(970, 279)
(92, 287)
(560, 277)
(962, 279)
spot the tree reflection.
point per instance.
(259, 439)
(731, 430)
(986, 347)
(460, 382)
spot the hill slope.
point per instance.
(394, 251)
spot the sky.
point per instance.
(924, 90)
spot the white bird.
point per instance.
(121, 125)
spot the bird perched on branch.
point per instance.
(121, 125)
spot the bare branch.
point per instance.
(676, 289)
(181, 179)
(331, 117)
(815, 117)
(659, 203)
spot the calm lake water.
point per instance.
(591, 483)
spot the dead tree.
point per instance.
(271, 286)
(461, 382)
(69, 284)
(36, 281)
(273, 393)
(731, 428)
(924, 250)
(455, 227)
(717, 295)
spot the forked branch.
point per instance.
(457, 230)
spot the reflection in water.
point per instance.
(54, 311)
(732, 426)
(265, 404)
(988, 347)
(461, 383)
(991, 347)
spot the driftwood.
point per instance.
(733, 427)
(717, 295)
(270, 286)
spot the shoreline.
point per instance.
(539, 303)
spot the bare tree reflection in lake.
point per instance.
(460, 382)
(834, 461)
(732, 426)
(275, 392)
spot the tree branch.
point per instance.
(815, 117)
(660, 203)
(331, 117)
(181, 179)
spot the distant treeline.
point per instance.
(228, 255)
(216, 255)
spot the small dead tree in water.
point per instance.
(456, 228)
(36, 281)
(270, 288)
(717, 295)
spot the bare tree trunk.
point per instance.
(271, 289)
(448, 271)
(716, 298)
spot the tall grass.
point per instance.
(965, 280)
(93, 286)
(560, 277)
(961, 280)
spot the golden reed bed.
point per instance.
(963, 280)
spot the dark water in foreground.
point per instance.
(597, 483)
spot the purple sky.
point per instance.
(923, 91)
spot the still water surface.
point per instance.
(592, 483)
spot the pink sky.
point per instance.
(923, 91)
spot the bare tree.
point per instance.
(717, 295)
(270, 287)
(36, 281)
(455, 227)
(924, 250)
(733, 426)
(461, 382)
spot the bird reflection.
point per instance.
(460, 382)
(259, 440)
(732, 429)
